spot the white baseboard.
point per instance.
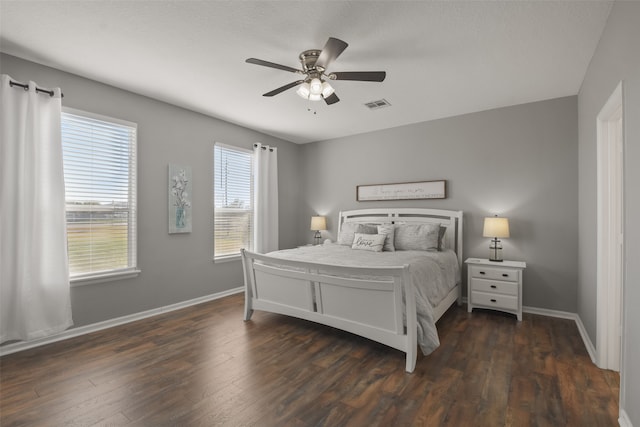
(87, 329)
(591, 349)
(624, 420)
(550, 313)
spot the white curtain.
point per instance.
(265, 217)
(34, 273)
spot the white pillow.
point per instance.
(389, 231)
(417, 237)
(368, 242)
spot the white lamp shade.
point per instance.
(303, 90)
(314, 90)
(327, 90)
(315, 86)
(496, 227)
(318, 223)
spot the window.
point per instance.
(233, 200)
(100, 190)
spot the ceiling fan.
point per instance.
(315, 63)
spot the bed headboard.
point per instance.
(450, 219)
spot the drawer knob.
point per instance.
(492, 300)
(493, 286)
(482, 272)
(505, 275)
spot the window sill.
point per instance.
(227, 259)
(104, 277)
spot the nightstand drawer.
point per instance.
(506, 302)
(494, 273)
(494, 286)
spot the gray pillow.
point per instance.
(368, 229)
(417, 237)
(389, 231)
(346, 234)
(441, 241)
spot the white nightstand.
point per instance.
(495, 285)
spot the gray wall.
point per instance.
(616, 59)
(520, 162)
(174, 267)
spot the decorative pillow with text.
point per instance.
(368, 242)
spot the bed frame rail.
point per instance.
(324, 294)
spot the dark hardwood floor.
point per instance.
(204, 366)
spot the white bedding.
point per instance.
(433, 275)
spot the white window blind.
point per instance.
(233, 200)
(100, 186)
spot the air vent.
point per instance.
(374, 105)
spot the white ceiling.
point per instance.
(442, 58)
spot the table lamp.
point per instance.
(318, 223)
(496, 228)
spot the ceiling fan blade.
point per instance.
(331, 99)
(331, 50)
(272, 65)
(283, 88)
(363, 76)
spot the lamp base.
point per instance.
(495, 251)
(317, 237)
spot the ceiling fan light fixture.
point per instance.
(303, 91)
(327, 90)
(315, 86)
(314, 90)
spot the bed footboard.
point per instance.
(364, 301)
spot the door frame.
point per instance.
(610, 255)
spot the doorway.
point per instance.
(610, 232)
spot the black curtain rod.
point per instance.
(25, 87)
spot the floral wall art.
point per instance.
(179, 199)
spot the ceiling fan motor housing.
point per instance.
(308, 60)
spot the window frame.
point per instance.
(132, 269)
(235, 256)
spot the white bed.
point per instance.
(393, 298)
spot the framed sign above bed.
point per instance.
(402, 191)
